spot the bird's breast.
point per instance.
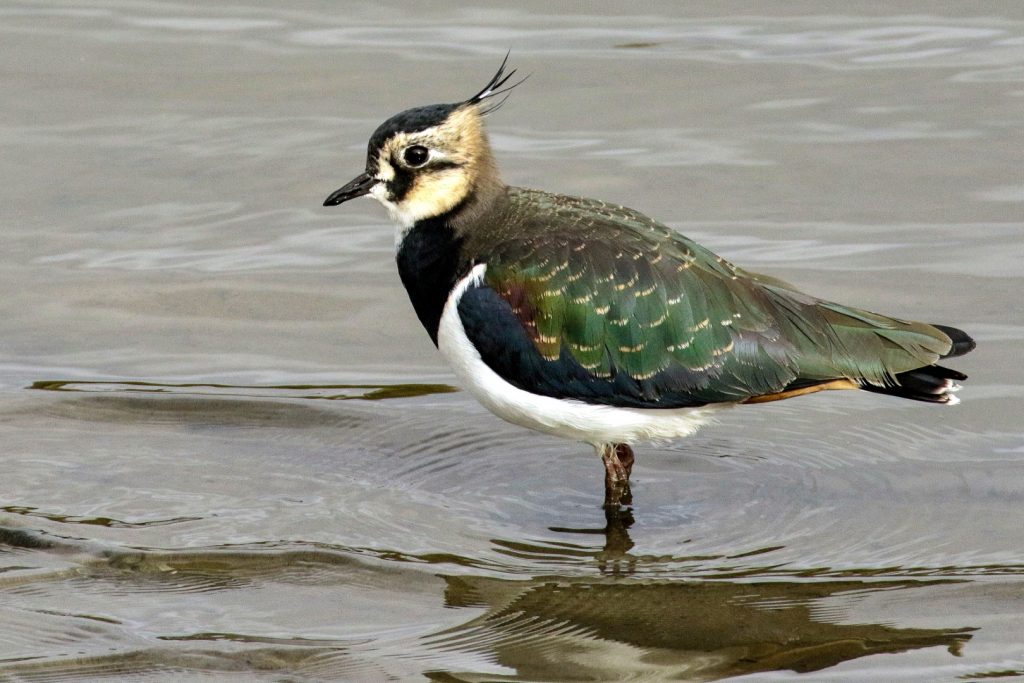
(430, 262)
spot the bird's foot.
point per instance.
(618, 464)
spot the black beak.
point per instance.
(356, 187)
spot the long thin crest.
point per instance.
(494, 87)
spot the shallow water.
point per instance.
(230, 453)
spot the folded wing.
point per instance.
(625, 312)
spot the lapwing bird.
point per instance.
(593, 322)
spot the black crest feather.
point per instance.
(494, 87)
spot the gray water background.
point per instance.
(230, 453)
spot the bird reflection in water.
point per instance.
(618, 625)
(610, 629)
(614, 558)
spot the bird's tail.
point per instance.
(931, 383)
(962, 343)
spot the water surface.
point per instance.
(230, 453)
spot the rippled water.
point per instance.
(230, 453)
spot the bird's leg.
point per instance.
(614, 559)
(626, 457)
(618, 464)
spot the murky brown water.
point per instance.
(230, 453)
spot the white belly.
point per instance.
(594, 424)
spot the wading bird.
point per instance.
(593, 322)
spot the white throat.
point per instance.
(403, 220)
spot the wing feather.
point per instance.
(615, 308)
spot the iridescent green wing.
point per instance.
(612, 307)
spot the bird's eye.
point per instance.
(416, 155)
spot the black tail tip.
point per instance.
(932, 383)
(962, 342)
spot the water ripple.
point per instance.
(826, 40)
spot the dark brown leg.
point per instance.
(618, 464)
(626, 457)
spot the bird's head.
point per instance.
(426, 161)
